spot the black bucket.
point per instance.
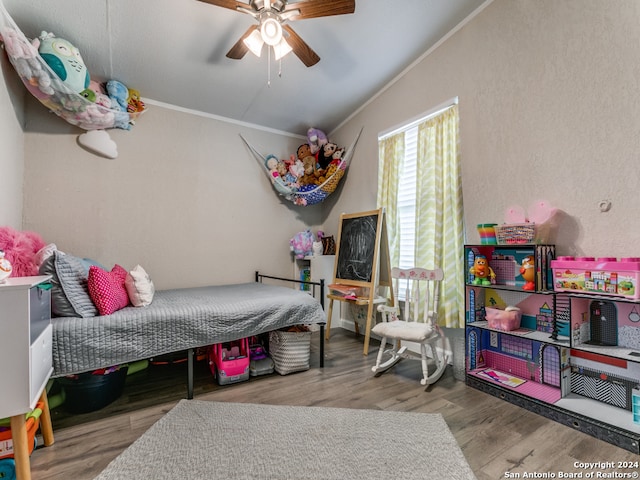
(88, 392)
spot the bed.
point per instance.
(184, 319)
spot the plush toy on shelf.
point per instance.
(302, 244)
(318, 247)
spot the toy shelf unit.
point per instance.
(571, 357)
(314, 269)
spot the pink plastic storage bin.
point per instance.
(507, 319)
(229, 361)
(604, 276)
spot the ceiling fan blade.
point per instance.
(240, 49)
(230, 4)
(320, 8)
(300, 48)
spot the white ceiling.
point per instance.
(173, 51)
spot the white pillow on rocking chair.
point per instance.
(400, 329)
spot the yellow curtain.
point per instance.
(390, 164)
(439, 214)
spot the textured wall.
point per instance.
(549, 109)
(12, 142)
(185, 198)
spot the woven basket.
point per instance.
(515, 234)
(290, 351)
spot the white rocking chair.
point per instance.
(419, 283)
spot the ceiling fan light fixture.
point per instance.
(271, 31)
(281, 49)
(254, 42)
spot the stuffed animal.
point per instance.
(134, 102)
(98, 114)
(118, 93)
(65, 61)
(296, 170)
(20, 249)
(309, 177)
(337, 155)
(302, 244)
(99, 93)
(308, 163)
(271, 163)
(282, 169)
(316, 138)
(317, 245)
(326, 154)
(304, 150)
(23, 56)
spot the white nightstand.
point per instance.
(25, 360)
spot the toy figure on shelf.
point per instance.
(528, 272)
(482, 272)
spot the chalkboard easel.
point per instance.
(362, 260)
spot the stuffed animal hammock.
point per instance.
(307, 194)
(47, 86)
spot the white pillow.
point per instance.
(139, 287)
(44, 253)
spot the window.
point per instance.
(420, 188)
(407, 200)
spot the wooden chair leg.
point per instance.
(367, 333)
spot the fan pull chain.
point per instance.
(269, 67)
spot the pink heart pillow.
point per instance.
(107, 289)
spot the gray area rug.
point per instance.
(237, 441)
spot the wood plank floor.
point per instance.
(495, 436)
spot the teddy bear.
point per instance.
(316, 138)
(309, 164)
(282, 169)
(309, 177)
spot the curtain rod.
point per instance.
(418, 119)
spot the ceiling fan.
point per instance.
(272, 30)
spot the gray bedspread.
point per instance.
(178, 320)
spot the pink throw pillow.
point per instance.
(107, 289)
